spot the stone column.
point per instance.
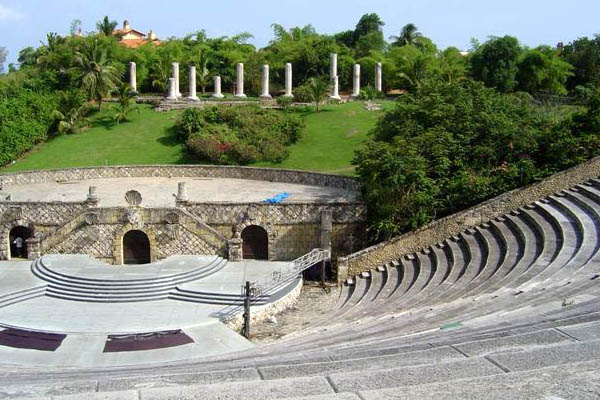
(92, 198)
(335, 93)
(234, 248)
(34, 248)
(182, 196)
(172, 94)
(378, 80)
(332, 66)
(239, 90)
(265, 83)
(342, 269)
(326, 228)
(192, 80)
(217, 93)
(356, 80)
(132, 77)
(176, 78)
(288, 80)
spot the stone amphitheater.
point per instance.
(499, 301)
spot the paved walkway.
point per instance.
(158, 192)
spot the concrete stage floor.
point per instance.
(158, 192)
(87, 324)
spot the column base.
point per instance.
(218, 95)
(266, 97)
(287, 95)
(335, 97)
(193, 98)
(240, 95)
(354, 96)
(171, 98)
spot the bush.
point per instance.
(25, 119)
(284, 102)
(303, 94)
(450, 146)
(369, 93)
(238, 135)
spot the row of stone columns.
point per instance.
(174, 92)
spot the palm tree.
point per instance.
(106, 26)
(202, 72)
(70, 112)
(161, 72)
(96, 77)
(319, 89)
(126, 103)
(416, 70)
(409, 35)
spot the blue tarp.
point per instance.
(277, 198)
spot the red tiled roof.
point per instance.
(126, 31)
(134, 43)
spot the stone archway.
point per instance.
(255, 243)
(136, 247)
(17, 239)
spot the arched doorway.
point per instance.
(255, 243)
(136, 248)
(18, 241)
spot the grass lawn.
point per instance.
(330, 138)
(149, 137)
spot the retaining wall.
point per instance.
(204, 171)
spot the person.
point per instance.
(19, 245)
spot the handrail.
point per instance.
(280, 278)
(275, 281)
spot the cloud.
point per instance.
(8, 14)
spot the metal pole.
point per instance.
(323, 273)
(246, 329)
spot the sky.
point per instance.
(448, 22)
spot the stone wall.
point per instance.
(293, 228)
(444, 228)
(205, 171)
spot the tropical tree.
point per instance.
(495, 63)
(409, 35)
(319, 89)
(542, 71)
(105, 26)
(201, 62)
(50, 52)
(584, 55)
(160, 73)
(452, 65)
(71, 111)
(126, 103)
(95, 75)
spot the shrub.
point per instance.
(284, 102)
(238, 135)
(25, 119)
(303, 94)
(369, 93)
(450, 146)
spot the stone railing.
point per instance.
(446, 227)
(192, 171)
(288, 212)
